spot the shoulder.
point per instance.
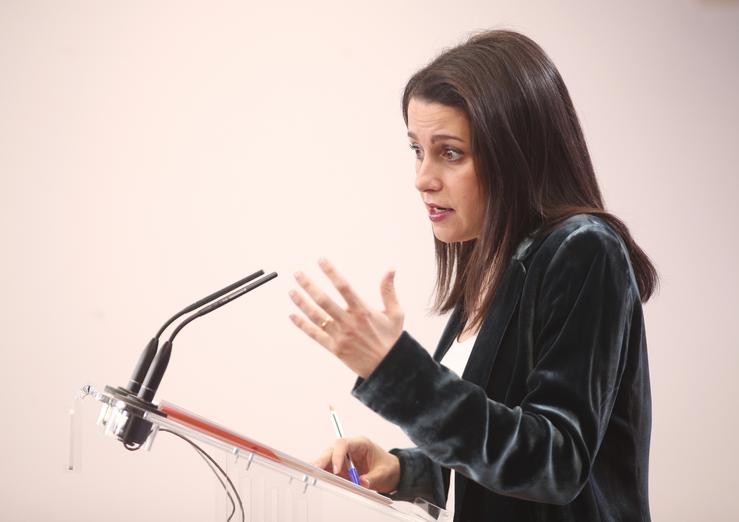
(582, 232)
(585, 235)
(574, 245)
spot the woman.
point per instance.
(550, 419)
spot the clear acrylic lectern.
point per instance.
(270, 486)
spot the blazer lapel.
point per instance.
(484, 351)
(447, 336)
(488, 340)
(493, 327)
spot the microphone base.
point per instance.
(124, 416)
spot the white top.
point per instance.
(456, 359)
(458, 354)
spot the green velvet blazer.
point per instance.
(551, 419)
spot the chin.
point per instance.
(446, 237)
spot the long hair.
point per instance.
(530, 158)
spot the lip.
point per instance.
(436, 214)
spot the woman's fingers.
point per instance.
(372, 479)
(320, 297)
(324, 460)
(355, 447)
(314, 332)
(338, 459)
(341, 284)
(378, 469)
(389, 297)
(333, 459)
(318, 317)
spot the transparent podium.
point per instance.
(261, 484)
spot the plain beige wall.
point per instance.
(151, 152)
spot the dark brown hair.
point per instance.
(530, 157)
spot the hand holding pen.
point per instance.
(375, 468)
(352, 471)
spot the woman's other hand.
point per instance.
(378, 469)
(357, 334)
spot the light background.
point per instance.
(151, 152)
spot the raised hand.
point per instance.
(358, 335)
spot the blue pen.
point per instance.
(353, 473)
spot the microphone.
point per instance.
(152, 363)
(159, 365)
(144, 362)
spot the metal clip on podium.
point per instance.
(267, 485)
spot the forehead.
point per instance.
(431, 117)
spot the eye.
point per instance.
(451, 154)
(416, 150)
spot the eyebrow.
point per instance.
(437, 137)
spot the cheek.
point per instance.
(471, 186)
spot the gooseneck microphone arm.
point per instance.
(161, 360)
(208, 299)
(230, 297)
(147, 356)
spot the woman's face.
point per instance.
(445, 171)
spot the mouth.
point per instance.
(438, 213)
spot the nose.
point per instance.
(427, 176)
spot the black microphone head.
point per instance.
(142, 366)
(156, 372)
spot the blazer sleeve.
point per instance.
(420, 477)
(543, 448)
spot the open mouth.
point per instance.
(436, 209)
(437, 213)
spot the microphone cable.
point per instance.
(215, 468)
